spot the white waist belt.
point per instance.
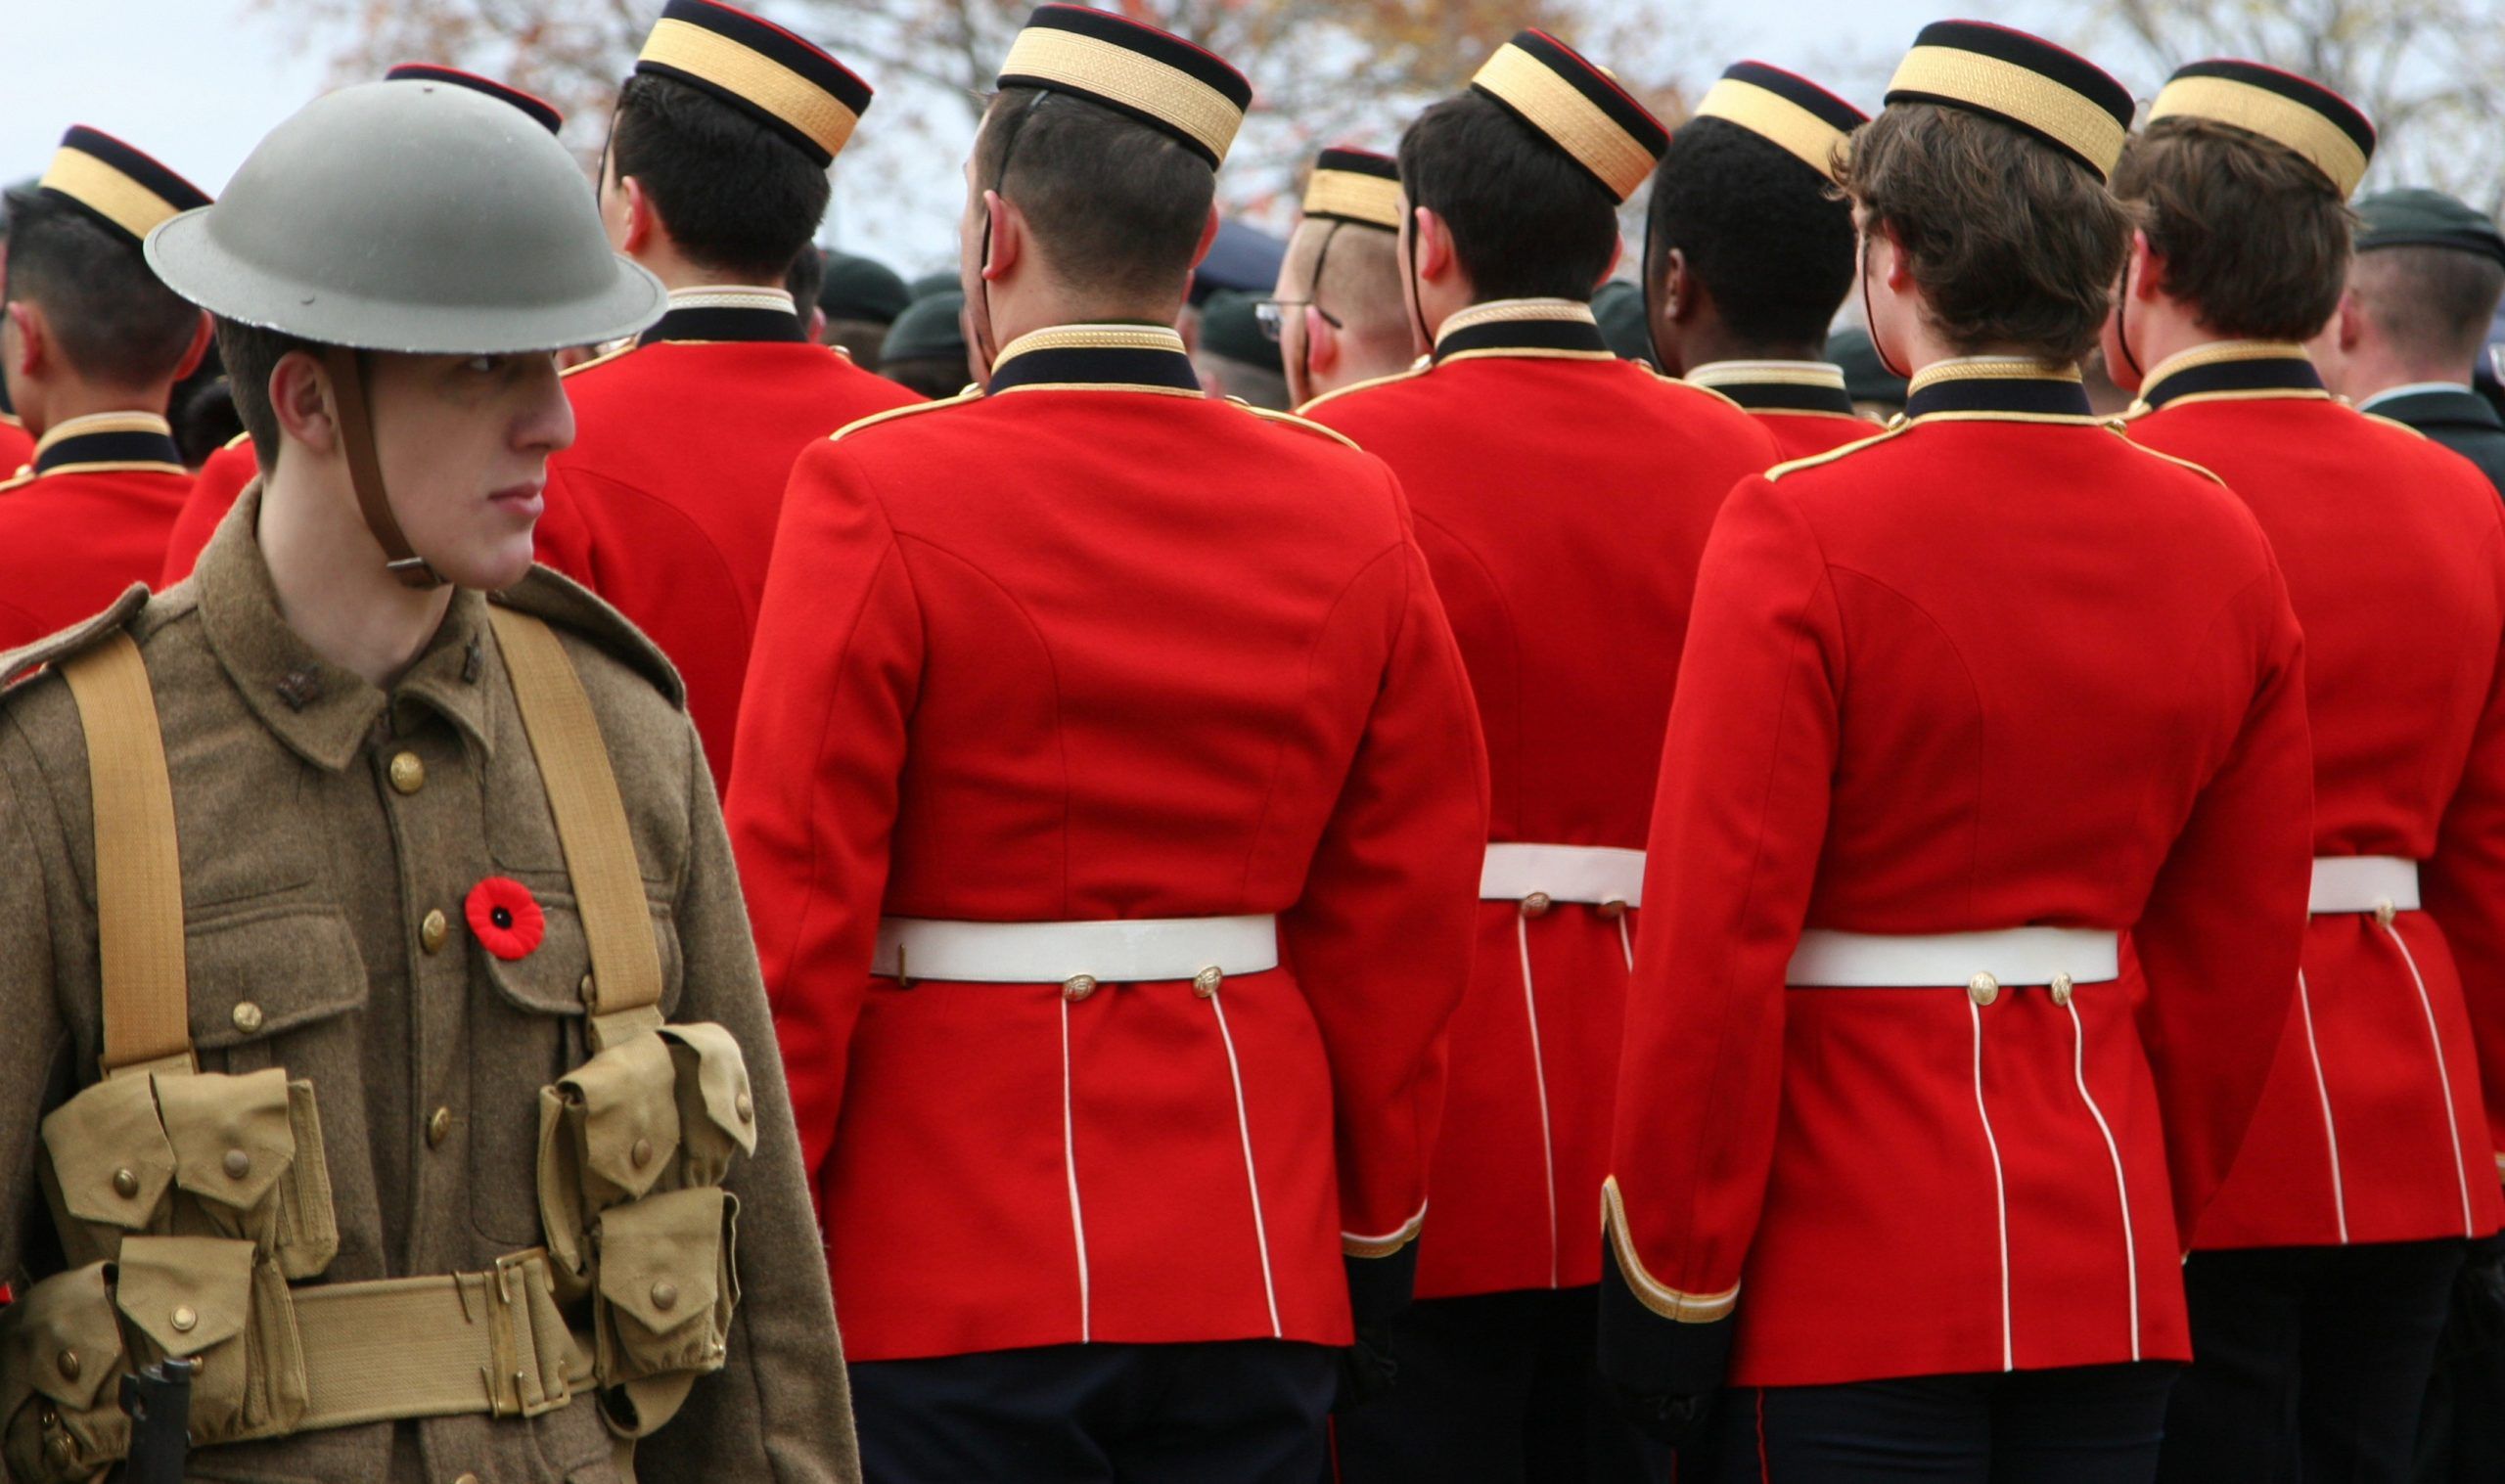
(1908, 960)
(2363, 883)
(1124, 950)
(1593, 873)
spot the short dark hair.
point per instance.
(2012, 242)
(736, 195)
(1116, 206)
(1528, 222)
(250, 352)
(115, 320)
(2255, 238)
(1769, 238)
(802, 278)
(2433, 301)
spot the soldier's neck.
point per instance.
(53, 401)
(328, 571)
(676, 271)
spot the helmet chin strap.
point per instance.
(1417, 289)
(365, 469)
(2123, 329)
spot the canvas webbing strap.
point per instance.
(447, 1345)
(139, 873)
(591, 825)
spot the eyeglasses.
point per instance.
(1272, 314)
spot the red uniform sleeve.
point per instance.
(2219, 939)
(564, 538)
(1739, 821)
(1382, 937)
(814, 778)
(213, 492)
(2464, 884)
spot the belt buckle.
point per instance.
(514, 1385)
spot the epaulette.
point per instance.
(1290, 419)
(11, 419)
(1833, 454)
(22, 662)
(1412, 373)
(970, 395)
(2375, 417)
(602, 359)
(24, 478)
(2204, 470)
(546, 592)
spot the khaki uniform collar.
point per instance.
(322, 712)
(1552, 328)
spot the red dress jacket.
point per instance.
(2373, 1128)
(665, 504)
(1562, 498)
(1999, 668)
(17, 446)
(86, 521)
(212, 494)
(1095, 647)
(1803, 404)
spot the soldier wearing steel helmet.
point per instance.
(387, 1036)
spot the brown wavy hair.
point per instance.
(2254, 238)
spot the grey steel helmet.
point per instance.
(410, 216)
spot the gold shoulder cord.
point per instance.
(624, 996)
(139, 882)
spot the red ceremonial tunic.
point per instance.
(1094, 646)
(666, 502)
(1999, 668)
(17, 446)
(86, 521)
(1562, 497)
(2373, 1128)
(1803, 404)
(212, 494)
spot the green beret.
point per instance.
(1865, 379)
(1231, 327)
(944, 281)
(928, 328)
(857, 288)
(1620, 307)
(2417, 217)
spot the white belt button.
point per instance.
(1077, 987)
(2061, 989)
(1982, 989)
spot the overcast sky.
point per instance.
(197, 82)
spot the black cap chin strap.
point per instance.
(365, 469)
(984, 340)
(1887, 362)
(2123, 329)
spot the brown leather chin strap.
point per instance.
(365, 469)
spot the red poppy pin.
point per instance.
(505, 915)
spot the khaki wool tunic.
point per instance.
(330, 833)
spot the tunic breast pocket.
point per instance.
(526, 1034)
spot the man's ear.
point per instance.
(1008, 239)
(1616, 255)
(2148, 269)
(2348, 324)
(200, 338)
(1435, 259)
(1898, 272)
(1677, 294)
(299, 392)
(1208, 238)
(1321, 342)
(642, 221)
(34, 336)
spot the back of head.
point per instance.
(2429, 272)
(736, 196)
(1116, 208)
(2254, 239)
(2010, 239)
(1770, 240)
(1526, 220)
(113, 320)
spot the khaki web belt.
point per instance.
(451, 1343)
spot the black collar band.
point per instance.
(1110, 356)
(1535, 327)
(724, 322)
(2260, 371)
(119, 446)
(1785, 396)
(1994, 388)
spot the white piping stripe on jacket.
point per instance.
(1540, 1083)
(1626, 940)
(1070, 1167)
(2443, 1076)
(2114, 1152)
(1252, 1174)
(2000, 1189)
(2329, 1130)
